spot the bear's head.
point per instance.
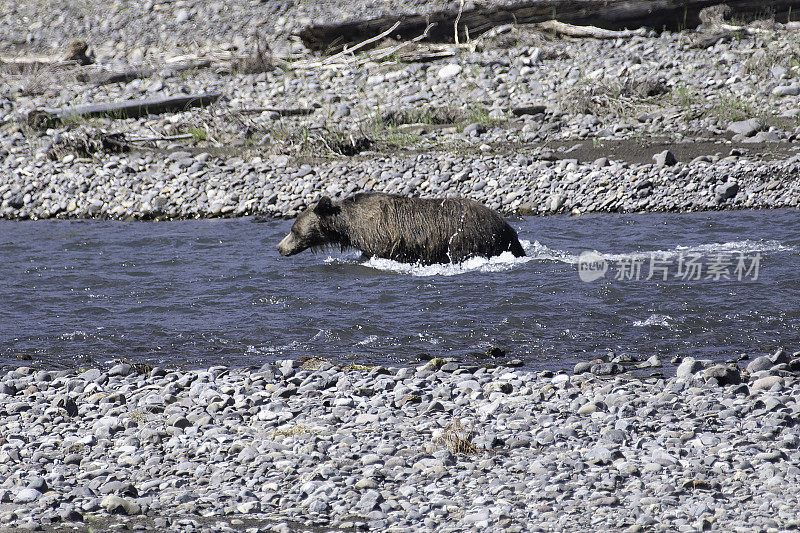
(311, 229)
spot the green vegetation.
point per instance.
(355, 365)
(730, 108)
(683, 97)
(198, 134)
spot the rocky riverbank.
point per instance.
(520, 119)
(446, 447)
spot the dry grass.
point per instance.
(29, 79)
(138, 416)
(423, 115)
(312, 363)
(291, 431)
(457, 438)
(604, 97)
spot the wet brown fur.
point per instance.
(409, 230)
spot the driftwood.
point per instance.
(105, 77)
(405, 51)
(28, 64)
(74, 55)
(47, 117)
(607, 14)
(714, 29)
(571, 30)
(528, 110)
(259, 60)
(181, 137)
(87, 142)
(281, 111)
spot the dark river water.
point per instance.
(206, 292)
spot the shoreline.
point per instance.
(274, 187)
(522, 120)
(441, 446)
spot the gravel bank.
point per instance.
(523, 121)
(438, 447)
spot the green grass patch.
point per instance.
(731, 108)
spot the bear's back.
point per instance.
(427, 230)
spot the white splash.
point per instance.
(733, 247)
(368, 340)
(77, 335)
(537, 251)
(654, 320)
(504, 261)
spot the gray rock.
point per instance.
(724, 374)
(616, 436)
(764, 137)
(662, 457)
(746, 128)
(601, 455)
(786, 90)
(690, 366)
(27, 495)
(92, 374)
(449, 71)
(766, 383)
(760, 363)
(121, 369)
(475, 129)
(179, 421)
(118, 505)
(369, 500)
(665, 158)
(318, 506)
(606, 369)
(779, 357)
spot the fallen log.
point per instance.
(606, 14)
(48, 117)
(528, 110)
(570, 30)
(280, 111)
(181, 137)
(105, 77)
(74, 55)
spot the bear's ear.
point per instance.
(324, 207)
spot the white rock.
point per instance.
(786, 90)
(448, 71)
(27, 495)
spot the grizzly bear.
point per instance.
(408, 230)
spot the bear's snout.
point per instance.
(286, 247)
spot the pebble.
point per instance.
(786, 90)
(665, 159)
(627, 444)
(710, 448)
(482, 104)
(746, 128)
(449, 71)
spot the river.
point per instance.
(195, 293)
